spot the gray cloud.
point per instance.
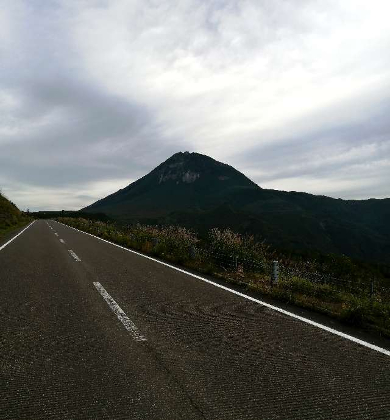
(94, 94)
(85, 129)
(331, 154)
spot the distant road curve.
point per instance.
(92, 331)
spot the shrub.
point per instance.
(354, 312)
(238, 251)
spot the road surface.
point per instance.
(92, 331)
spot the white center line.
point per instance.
(62, 241)
(126, 321)
(73, 254)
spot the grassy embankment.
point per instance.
(11, 217)
(333, 285)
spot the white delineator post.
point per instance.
(275, 272)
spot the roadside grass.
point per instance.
(182, 247)
(11, 218)
(6, 230)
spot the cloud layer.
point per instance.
(95, 93)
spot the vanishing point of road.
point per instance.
(92, 331)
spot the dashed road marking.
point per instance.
(56, 233)
(267, 305)
(126, 321)
(62, 241)
(73, 254)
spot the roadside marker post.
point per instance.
(193, 252)
(245, 296)
(275, 273)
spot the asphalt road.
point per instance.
(102, 333)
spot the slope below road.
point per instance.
(207, 354)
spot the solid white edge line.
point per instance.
(7, 243)
(275, 308)
(126, 321)
(74, 255)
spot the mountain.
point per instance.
(184, 181)
(197, 191)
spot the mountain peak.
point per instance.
(187, 157)
(190, 167)
(186, 179)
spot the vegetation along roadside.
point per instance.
(355, 293)
(11, 217)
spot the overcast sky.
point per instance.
(96, 93)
